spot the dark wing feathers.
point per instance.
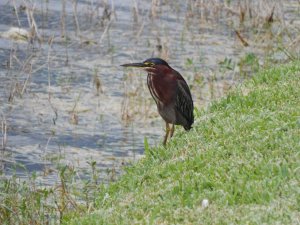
(184, 103)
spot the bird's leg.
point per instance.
(172, 130)
(167, 134)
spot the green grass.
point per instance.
(243, 155)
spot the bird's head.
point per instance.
(150, 65)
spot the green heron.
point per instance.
(170, 92)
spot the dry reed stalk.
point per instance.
(15, 86)
(154, 8)
(106, 30)
(295, 42)
(112, 8)
(50, 41)
(270, 18)
(27, 79)
(244, 42)
(124, 109)
(135, 10)
(16, 12)
(231, 10)
(97, 83)
(242, 14)
(4, 134)
(34, 33)
(74, 112)
(212, 86)
(77, 27)
(164, 51)
(62, 18)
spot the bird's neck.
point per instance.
(161, 86)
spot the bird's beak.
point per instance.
(139, 65)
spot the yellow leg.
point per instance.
(172, 130)
(167, 134)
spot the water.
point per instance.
(52, 108)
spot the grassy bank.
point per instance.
(243, 156)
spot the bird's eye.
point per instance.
(149, 63)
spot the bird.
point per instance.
(170, 92)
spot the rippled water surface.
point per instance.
(64, 99)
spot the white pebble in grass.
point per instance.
(205, 203)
